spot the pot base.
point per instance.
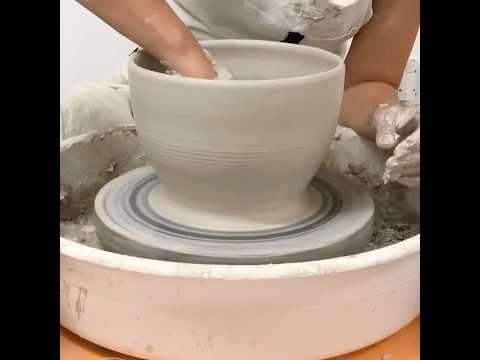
(134, 217)
(236, 217)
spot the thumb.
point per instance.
(406, 119)
(385, 125)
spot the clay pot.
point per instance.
(242, 148)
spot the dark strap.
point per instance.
(134, 51)
(293, 38)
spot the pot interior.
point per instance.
(259, 60)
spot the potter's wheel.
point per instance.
(127, 223)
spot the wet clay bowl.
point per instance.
(244, 150)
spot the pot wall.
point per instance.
(242, 144)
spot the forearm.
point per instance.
(380, 51)
(154, 26)
(376, 61)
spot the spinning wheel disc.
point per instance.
(127, 223)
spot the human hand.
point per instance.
(155, 27)
(398, 129)
(221, 72)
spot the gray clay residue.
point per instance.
(81, 230)
(392, 223)
(396, 218)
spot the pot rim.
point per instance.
(403, 249)
(339, 68)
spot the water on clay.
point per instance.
(395, 219)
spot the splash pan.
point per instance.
(155, 309)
